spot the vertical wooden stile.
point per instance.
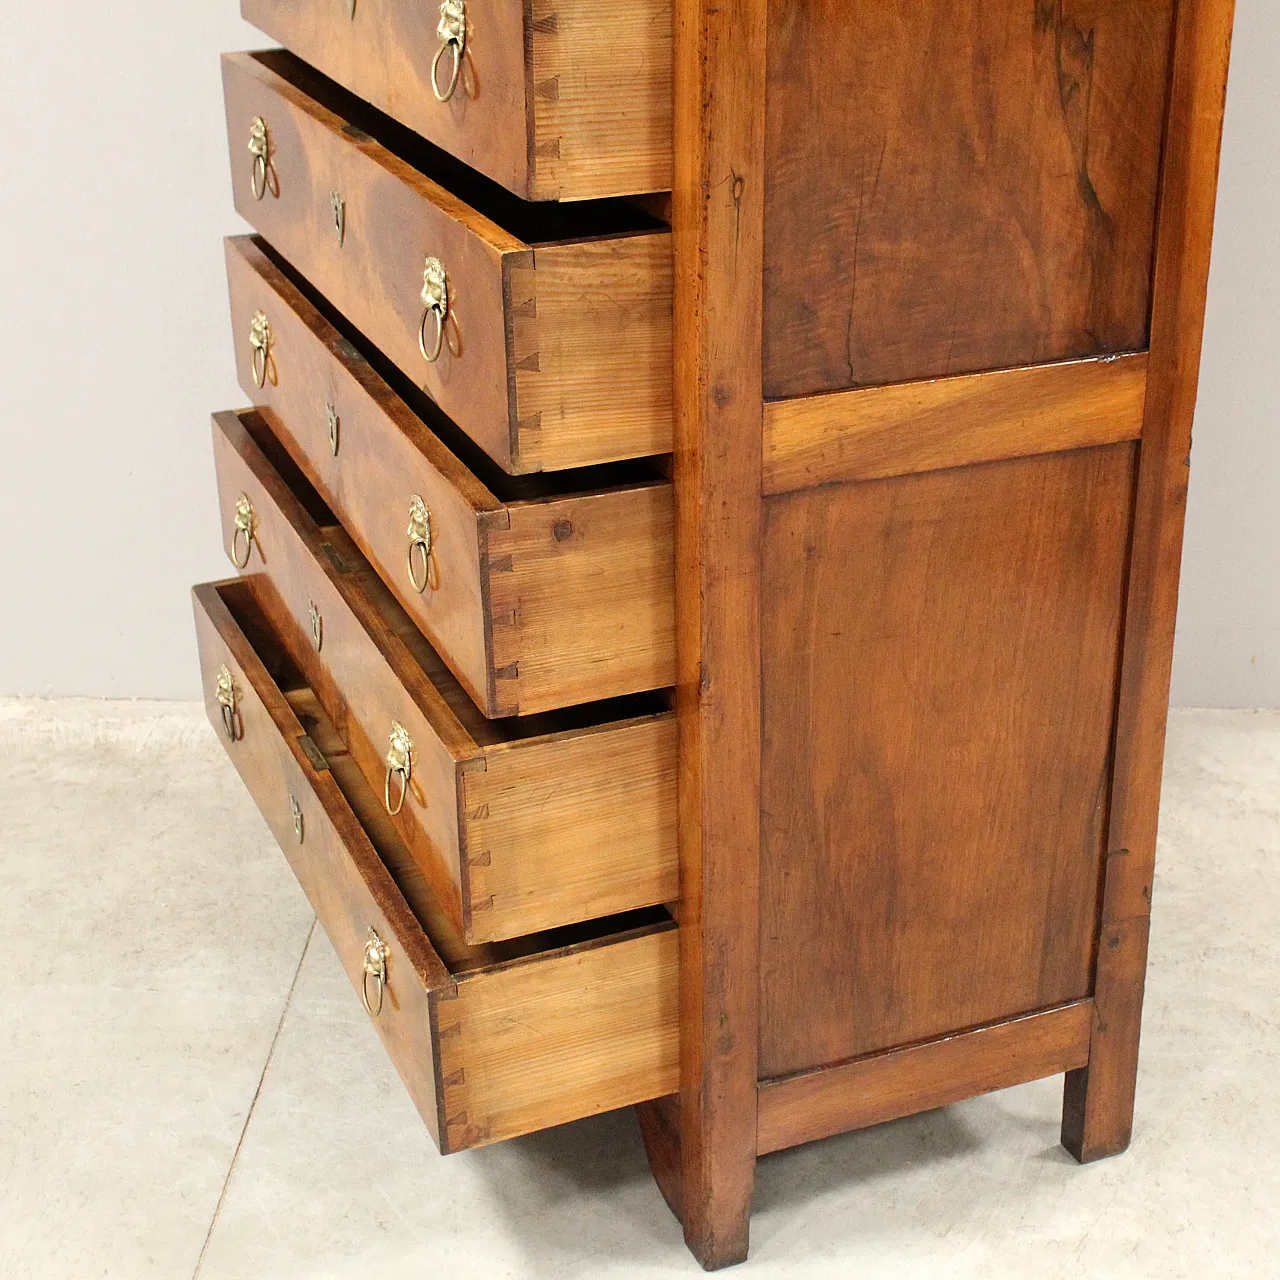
(718, 215)
(1099, 1098)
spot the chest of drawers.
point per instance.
(710, 652)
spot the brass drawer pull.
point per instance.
(260, 345)
(225, 692)
(244, 528)
(331, 416)
(375, 967)
(453, 37)
(435, 302)
(399, 765)
(264, 172)
(317, 626)
(296, 810)
(339, 207)
(419, 544)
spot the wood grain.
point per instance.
(489, 1048)
(940, 663)
(958, 186)
(920, 1077)
(877, 432)
(514, 827)
(718, 208)
(558, 101)
(535, 602)
(600, 75)
(607, 308)
(1098, 1111)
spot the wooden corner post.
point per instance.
(718, 216)
(1099, 1099)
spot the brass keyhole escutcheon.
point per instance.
(334, 424)
(244, 528)
(338, 206)
(264, 174)
(435, 303)
(399, 765)
(260, 345)
(225, 693)
(452, 31)
(419, 532)
(375, 967)
(317, 626)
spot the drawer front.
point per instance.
(487, 1050)
(393, 220)
(340, 872)
(556, 99)
(514, 833)
(549, 357)
(301, 597)
(369, 456)
(537, 605)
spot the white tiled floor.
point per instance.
(189, 1088)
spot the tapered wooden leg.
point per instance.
(1097, 1104)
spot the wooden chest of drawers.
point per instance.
(717, 667)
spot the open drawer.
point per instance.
(491, 1041)
(543, 331)
(538, 591)
(518, 824)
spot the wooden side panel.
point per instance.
(940, 666)
(1098, 1111)
(385, 456)
(584, 826)
(591, 352)
(530, 1045)
(395, 218)
(383, 53)
(958, 186)
(877, 432)
(920, 1077)
(338, 868)
(601, 97)
(582, 595)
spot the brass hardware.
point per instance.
(351, 9)
(399, 764)
(331, 416)
(225, 692)
(419, 540)
(435, 301)
(453, 36)
(375, 967)
(264, 177)
(315, 757)
(296, 809)
(339, 207)
(317, 626)
(260, 342)
(244, 528)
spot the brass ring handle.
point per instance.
(260, 150)
(244, 528)
(419, 532)
(453, 36)
(225, 692)
(339, 207)
(317, 626)
(435, 302)
(260, 345)
(296, 810)
(399, 765)
(375, 967)
(331, 416)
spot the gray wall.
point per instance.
(114, 347)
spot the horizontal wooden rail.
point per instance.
(902, 1082)
(875, 432)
